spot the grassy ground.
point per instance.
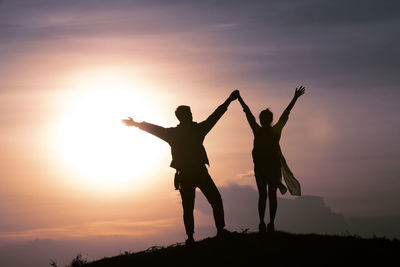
(278, 249)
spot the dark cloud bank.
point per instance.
(306, 214)
(335, 44)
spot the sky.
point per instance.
(74, 179)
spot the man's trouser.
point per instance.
(200, 178)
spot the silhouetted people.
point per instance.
(269, 163)
(189, 158)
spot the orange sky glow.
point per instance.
(70, 169)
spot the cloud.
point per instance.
(249, 174)
(380, 226)
(116, 227)
(306, 214)
(96, 240)
(40, 252)
(330, 44)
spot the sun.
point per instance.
(94, 145)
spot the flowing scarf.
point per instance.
(291, 182)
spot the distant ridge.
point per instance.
(278, 249)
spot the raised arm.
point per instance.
(209, 123)
(299, 91)
(250, 117)
(160, 132)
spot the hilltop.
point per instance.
(278, 249)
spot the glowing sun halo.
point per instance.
(93, 143)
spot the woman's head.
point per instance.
(266, 117)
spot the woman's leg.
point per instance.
(273, 203)
(262, 197)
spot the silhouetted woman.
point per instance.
(269, 163)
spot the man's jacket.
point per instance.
(186, 140)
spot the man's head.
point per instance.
(266, 117)
(184, 114)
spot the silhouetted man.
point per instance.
(189, 158)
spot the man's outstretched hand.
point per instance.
(299, 91)
(129, 122)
